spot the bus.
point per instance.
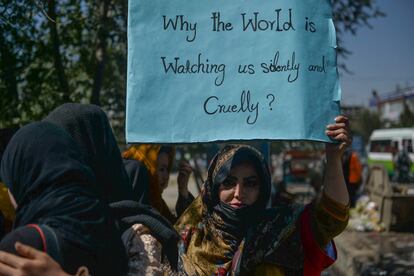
(384, 143)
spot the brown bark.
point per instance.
(57, 57)
(9, 98)
(8, 72)
(101, 54)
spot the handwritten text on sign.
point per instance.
(209, 70)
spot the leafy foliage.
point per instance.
(366, 123)
(407, 117)
(54, 51)
(349, 16)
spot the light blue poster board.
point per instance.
(209, 70)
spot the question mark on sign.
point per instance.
(271, 101)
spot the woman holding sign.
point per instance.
(228, 230)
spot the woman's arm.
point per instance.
(183, 177)
(330, 212)
(185, 198)
(32, 262)
(334, 181)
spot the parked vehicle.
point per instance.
(385, 143)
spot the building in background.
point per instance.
(391, 105)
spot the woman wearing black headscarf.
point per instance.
(58, 207)
(89, 127)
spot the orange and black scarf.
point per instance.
(148, 154)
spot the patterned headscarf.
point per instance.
(220, 167)
(211, 246)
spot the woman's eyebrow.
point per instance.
(252, 177)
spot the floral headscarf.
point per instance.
(211, 246)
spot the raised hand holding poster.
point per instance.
(209, 70)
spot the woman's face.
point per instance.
(163, 174)
(242, 186)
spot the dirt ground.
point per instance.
(372, 253)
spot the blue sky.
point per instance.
(383, 56)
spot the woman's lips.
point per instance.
(237, 204)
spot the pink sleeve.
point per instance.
(316, 258)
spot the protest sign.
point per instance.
(210, 70)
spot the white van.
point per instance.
(384, 142)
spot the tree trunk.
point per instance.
(100, 53)
(57, 57)
(9, 101)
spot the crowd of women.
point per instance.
(83, 208)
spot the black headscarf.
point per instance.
(89, 126)
(139, 179)
(53, 186)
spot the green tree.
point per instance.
(55, 51)
(407, 117)
(349, 16)
(366, 123)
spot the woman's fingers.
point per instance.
(140, 229)
(34, 262)
(185, 167)
(6, 270)
(339, 130)
(340, 122)
(342, 119)
(334, 133)
(27, 251)
(184, 172)
(136, 226)
(343, 138)
(10, 259)
(340, 135)
(336, 126)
